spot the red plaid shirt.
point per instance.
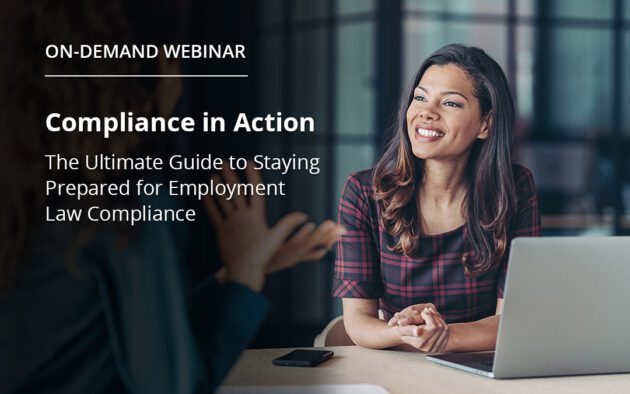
(366, 268)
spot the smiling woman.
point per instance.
(429, 227)
(441, 98)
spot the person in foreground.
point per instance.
(124, 320)
(429, 228)
(106, 307)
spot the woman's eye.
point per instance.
(452, 104)
(420, 98)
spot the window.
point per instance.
(566, 61)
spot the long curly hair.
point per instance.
(490, 202)
(26, 98)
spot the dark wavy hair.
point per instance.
(490, 203)
(25, 99)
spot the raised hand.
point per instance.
(308, 244)
(246, 241)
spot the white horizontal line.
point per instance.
(146, 75)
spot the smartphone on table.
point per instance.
(303, 358)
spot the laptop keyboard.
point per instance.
(485, 365)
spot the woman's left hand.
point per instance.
(410, 315)
(430, 337)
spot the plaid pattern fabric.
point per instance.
(366, 268)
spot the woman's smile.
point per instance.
(444, 108)
(428, 133)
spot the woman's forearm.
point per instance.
(474, 336)
(371, 332)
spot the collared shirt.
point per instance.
(367, 268)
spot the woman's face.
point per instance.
(444, 118)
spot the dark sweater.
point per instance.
(120, 321)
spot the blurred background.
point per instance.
(345, 62)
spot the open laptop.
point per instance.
(566, 311)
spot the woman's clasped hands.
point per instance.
(421, 327)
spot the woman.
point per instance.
(429, 228)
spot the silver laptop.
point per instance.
(566, 311)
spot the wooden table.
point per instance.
(404, 372)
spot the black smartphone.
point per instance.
(303, 358)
